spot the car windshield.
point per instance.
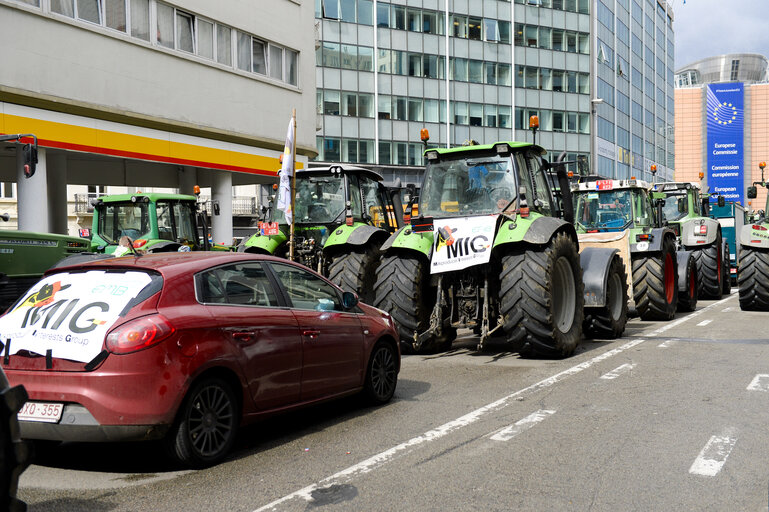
(605, 210)
(676, 206)
(468, 186)
(319, 200)
(124, 219)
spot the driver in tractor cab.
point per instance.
(622, 204)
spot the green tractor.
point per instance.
(154, 222)
(753, 266)
(342, 216)
(621, 214)
(493, 250)
(686, 211)
(25, 255)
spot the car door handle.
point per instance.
(313, 335)
(243, 336)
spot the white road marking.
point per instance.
(759, 383)
(726, 310)
(713, 456)
(522, 425)
(678, 322)
(618, 371)
(667, 343)
(386, 456)
(704, 322)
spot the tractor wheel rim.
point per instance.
(692, 283)
(669, 279)
(718, 264)
(615, 297)
(563, 302)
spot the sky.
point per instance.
(705, 28)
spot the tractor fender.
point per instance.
(682, 259)
(536, 231)
(267, 243)
(162, 246)
(595, 262)
(754, 238)
(690, 240)
(357, 234)
(655, 244)
(404, 238)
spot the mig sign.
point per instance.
(726, 156)
(462, 242)
(70, 314)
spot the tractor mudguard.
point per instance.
(268, 243)
(654, 245)
(161, 246)
(682, 259)
(689, 239)
(535, 229)
(595, 262)
(404, 238)
(357, 234)
(754, 238)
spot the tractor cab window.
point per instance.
(676, 206)
(319, 199)
(468, 186)
(176, 221)
(532, 176)
(642, 208)
(606, 210)
(374, 209)
(124, 219)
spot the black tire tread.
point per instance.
(355, 271)
(753, 279)
(598, 321)
(649, 284)
(526, 298)
(709, 282)
(685, 302)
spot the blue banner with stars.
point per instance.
(726, 154)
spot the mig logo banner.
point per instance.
(461, 243)
(69, 314)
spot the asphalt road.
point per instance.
(674, 416)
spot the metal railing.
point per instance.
(241, 205)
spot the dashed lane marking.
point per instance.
(759, 383)
(618, 371)
(704, 322)
(402, 449)
(713, 457)
(667, 343)
(678, 322)
(522, 425)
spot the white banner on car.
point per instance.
(462, 242)
(69, 314)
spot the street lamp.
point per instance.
(593, 133)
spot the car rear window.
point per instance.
(68, 314)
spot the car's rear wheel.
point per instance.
(381, 374)
(206, 425)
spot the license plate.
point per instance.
(41, 411)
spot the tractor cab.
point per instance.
(612, 205)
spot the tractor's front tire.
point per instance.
(355, 271)
(727, 278)
(688, 301)
(753, 279)
(710, 270)
(655, 283)
(401, 290)
(542, 298)
(608, 322)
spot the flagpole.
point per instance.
(293, 187)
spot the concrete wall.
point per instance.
(689, 133)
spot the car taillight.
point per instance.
(139, 334)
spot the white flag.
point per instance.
(286, 171)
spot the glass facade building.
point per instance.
(597, 73)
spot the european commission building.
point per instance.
(597, 73)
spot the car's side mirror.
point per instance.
(349, 300)
(752, 192)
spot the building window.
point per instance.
(140, 19)
(735, 70)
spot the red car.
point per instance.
(187, 347)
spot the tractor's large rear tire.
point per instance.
(542, 298)
(14, 453)
(753, 279)
(355, 271)
(727, 278)
(655, 283)
(608, 322)
(688, 301)
(710, 271)
(401, 290)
